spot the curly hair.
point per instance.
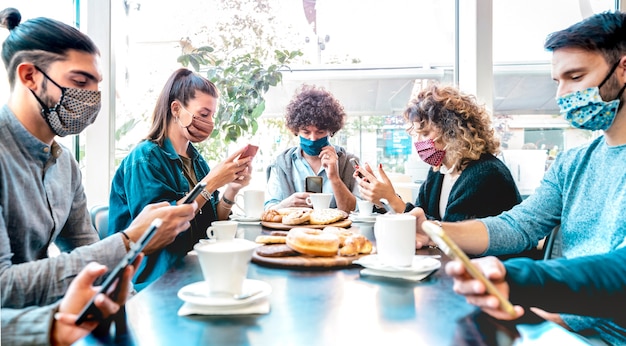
(465, 124)
(317, 107)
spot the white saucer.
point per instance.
(196, 293)
(243, 218)
(420, 264)
(363, 218)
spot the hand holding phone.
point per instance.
(355, 164)
(91, 312)
(450, 248)
(197, 190)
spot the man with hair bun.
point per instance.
(53, 72)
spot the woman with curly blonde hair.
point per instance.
(453, 134)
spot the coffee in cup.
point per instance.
(225, 265)
(395, 239)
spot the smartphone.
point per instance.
(449, 247)
(355, 163)
(90, 311)
(313, 184)
(197, 190)
(250, 151)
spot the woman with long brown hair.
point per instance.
(166, 166)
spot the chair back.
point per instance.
(552, 245)
(100, 219)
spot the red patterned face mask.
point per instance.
(428, 153)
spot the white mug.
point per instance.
(319, 200)
(365, 207)
(225, 265)
(395, 239)
(253, 202)
(222, 230)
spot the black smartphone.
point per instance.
(355, 163)
(197, 190)
(313, 184)
(90, 311)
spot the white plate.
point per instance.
(420, 264)
(196, 293)
(360, 218)
(243, 218)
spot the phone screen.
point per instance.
(91, 312)
(313, 184)
(450, 248)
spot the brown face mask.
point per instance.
(199, 129)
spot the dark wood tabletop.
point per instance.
(317, 307)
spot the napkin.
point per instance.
(259, 307)
(396, 275)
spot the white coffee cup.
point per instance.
(395, 239)
(319, 200)
(225, 265)
(253, 202)
(365, 207)
(222, 230)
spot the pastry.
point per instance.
(326, 216)
(297, 217)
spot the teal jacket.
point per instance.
(151, 174)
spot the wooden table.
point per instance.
(317, 307)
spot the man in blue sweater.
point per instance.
(584, 190)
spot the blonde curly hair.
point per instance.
(465, 124)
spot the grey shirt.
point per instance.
(29, 326)
(42, 201)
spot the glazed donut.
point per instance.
(313, 242)
(271, 215)
(342, 233)
(297, 217)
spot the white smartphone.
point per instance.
(449, 247)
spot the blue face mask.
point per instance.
(586, 110)
(313, 148)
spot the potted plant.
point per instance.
(243, 82)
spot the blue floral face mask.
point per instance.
(586, 110)
(313, 148)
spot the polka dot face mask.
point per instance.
(586, 110)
